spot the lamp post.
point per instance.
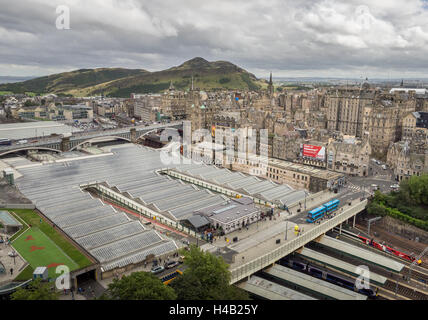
(286, 229)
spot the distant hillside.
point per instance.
(123, 82)
(66, 81)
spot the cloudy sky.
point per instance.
(326, 38)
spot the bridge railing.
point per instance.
(267, 259)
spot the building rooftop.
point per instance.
(24, 130)
(228, 212)
(7, 219)
(286, 165)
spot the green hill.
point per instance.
(123, 82)
(66, 81)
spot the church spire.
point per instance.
(270, 86)
(171, 86)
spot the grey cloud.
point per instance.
(307, 38)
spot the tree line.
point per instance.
(206, 277)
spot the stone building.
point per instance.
(349, 158)
(405, 162)
(287, 146)
(345, 109)
(415, 127)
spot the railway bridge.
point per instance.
(62, 144)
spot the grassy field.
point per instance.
(30, 217)
(2, 93)
(39, 250)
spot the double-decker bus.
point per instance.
(316, 214)
(331, 206)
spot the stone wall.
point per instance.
(403, 229)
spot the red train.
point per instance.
(384, 248)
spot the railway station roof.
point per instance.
(361, 253)
(271, 290)
(339, 264)
(24, 130)
(313, 284)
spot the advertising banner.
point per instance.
(316, 152)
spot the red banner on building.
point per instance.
(314, 151)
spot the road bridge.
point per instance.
(61, 144)
(241, 270)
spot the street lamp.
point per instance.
(286, 229)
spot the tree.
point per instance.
(139, 286)
(30, 103)
(414, 190)
(205, 278)
(36, 290)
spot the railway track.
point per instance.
(404, 290)
(419, 273)
(394, 288)
(397, 242)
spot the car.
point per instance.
(157, 269)
(384, 167)
(395, 186)
(171, 264)
(375, 187)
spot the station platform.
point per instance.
(363, 254)
(270, 290)
(338, 264)
(315, 285)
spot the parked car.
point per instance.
(157, 269)
(375, 187)
(384, 167)
(171, 264)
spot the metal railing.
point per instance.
(265, 260)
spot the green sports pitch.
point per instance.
(40, 251)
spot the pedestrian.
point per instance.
(11, 271)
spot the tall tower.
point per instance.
(270, 86)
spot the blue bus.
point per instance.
(316, 214)
(331, 206)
